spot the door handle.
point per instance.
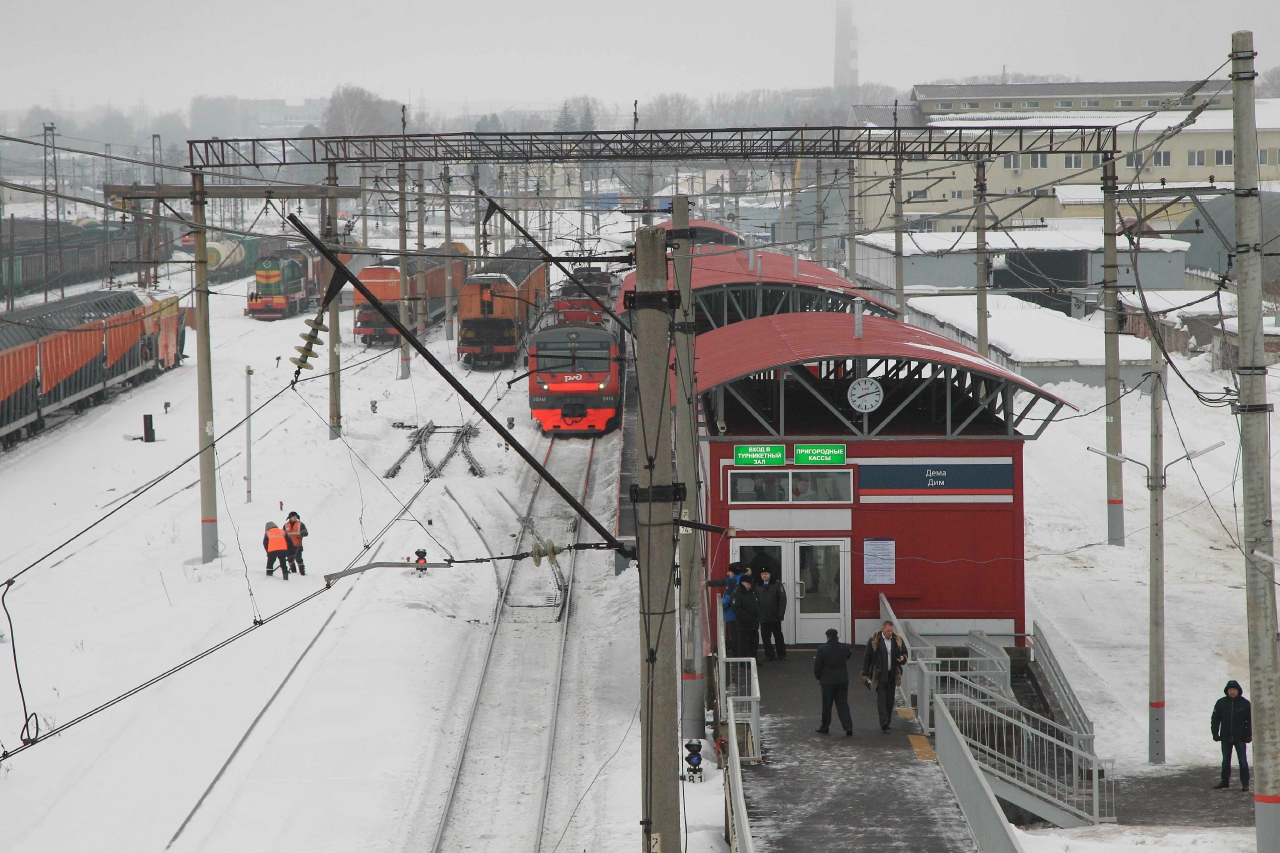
(799, 589)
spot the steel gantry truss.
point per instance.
(720, 305)
(922, 399)
(734, 144)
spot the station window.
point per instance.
(1073, 161)
(1030, 105)
(1124, 103)
(969, 105)
(960, 193)
(790, 487)
(1161, 158)
(1262, 156)
(1095, 160)
(1003, 105)
(1195, 158)
(1013, 161)
(1091, 102)
(1151, 102)
(1039, 160)
(944, 105)
(1223, 157)
(917, 194)
(1133, 161)
(1062, 104)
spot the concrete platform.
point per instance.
(817, 793)
(1183, 798)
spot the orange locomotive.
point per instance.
(426, 282)
(497, 305)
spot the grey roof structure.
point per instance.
(933, 91)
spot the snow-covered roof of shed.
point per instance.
(1267, 112)
(1183, 303)
(1069, 194)
(1031, 240)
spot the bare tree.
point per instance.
(354, 110)
(671, 110)
(1268, 85)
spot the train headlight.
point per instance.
(603, 384)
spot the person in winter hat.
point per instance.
(295, 530)
(276, 543)
(1232, 725)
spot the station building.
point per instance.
(860, 456)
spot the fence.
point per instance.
(738, 690)
(978, 802)
(1058, 685)
(737, 824)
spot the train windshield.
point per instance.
(584, 357)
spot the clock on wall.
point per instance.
(865, 395)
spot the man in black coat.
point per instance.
(882, 669)
(746, 613)
(1232, 724)
(773, 607)
(831, 668)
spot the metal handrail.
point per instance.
(1076, 716)
(737, 822)
(1068, 776)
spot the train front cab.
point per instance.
(856, 467)
(574, 379)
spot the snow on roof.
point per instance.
(1270, 327)
(1183, 303)
(1069, 194)
(1027, 332)
(1074, 88)
(1267, 112)
(1031, 240)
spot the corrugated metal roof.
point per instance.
(27, 324)
(729, 266)
(753, 346)
(933, 91)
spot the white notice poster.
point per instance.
(878, 561)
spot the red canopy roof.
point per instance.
(728, 265)
(753, 346)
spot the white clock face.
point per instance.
(865, 395)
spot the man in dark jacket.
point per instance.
(746, 614)
(882, 669)
(1232, 724)
(729, 583)
(831, 668)
(773, 607)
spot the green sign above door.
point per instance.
(749, 455)
(820, 454)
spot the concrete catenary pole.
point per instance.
(329, 228)
(204, 379)
(402, 222)
(980, 261)
(692, 685)
(1156, 484)
(899, 279)
(1111, 358)
(817, 212)
(1254, 414)
(248, 434)
(851, 244)
(364, 210)
(659, 729)
(448, 242)
(421, 304)
(475, 201)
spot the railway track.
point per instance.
(501, 777)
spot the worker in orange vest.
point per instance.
(276, 543)
(295, 530)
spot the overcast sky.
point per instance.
(77, 53)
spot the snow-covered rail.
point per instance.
(497, 797)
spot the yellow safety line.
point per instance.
(906, 713)
(920, 744)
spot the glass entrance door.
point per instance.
(774, 555)
(821, 588)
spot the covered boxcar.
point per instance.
(426, 288)
(497, 305)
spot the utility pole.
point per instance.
(817, 212)
(329, 227)
(1156, 485)
(1111, 357)
(659, 726)
(502, 200)
(364, 209)
(899, 281)
(448, 267)
(204, 379)
(402, 218)
(851, 254)
(420, 287)
(248, 434)
(475, 197)
(980, 222)
(1255, 416)
(692, 669)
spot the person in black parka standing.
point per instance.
(831, 668)
(1232, 724)
(773, 608)
(746, 614)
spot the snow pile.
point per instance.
(1119, 839)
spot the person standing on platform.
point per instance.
(1232, 724)
(729, 583)
(882, 669)
(831, 668)
(276, 543)
(746, 613)
(773, 607)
